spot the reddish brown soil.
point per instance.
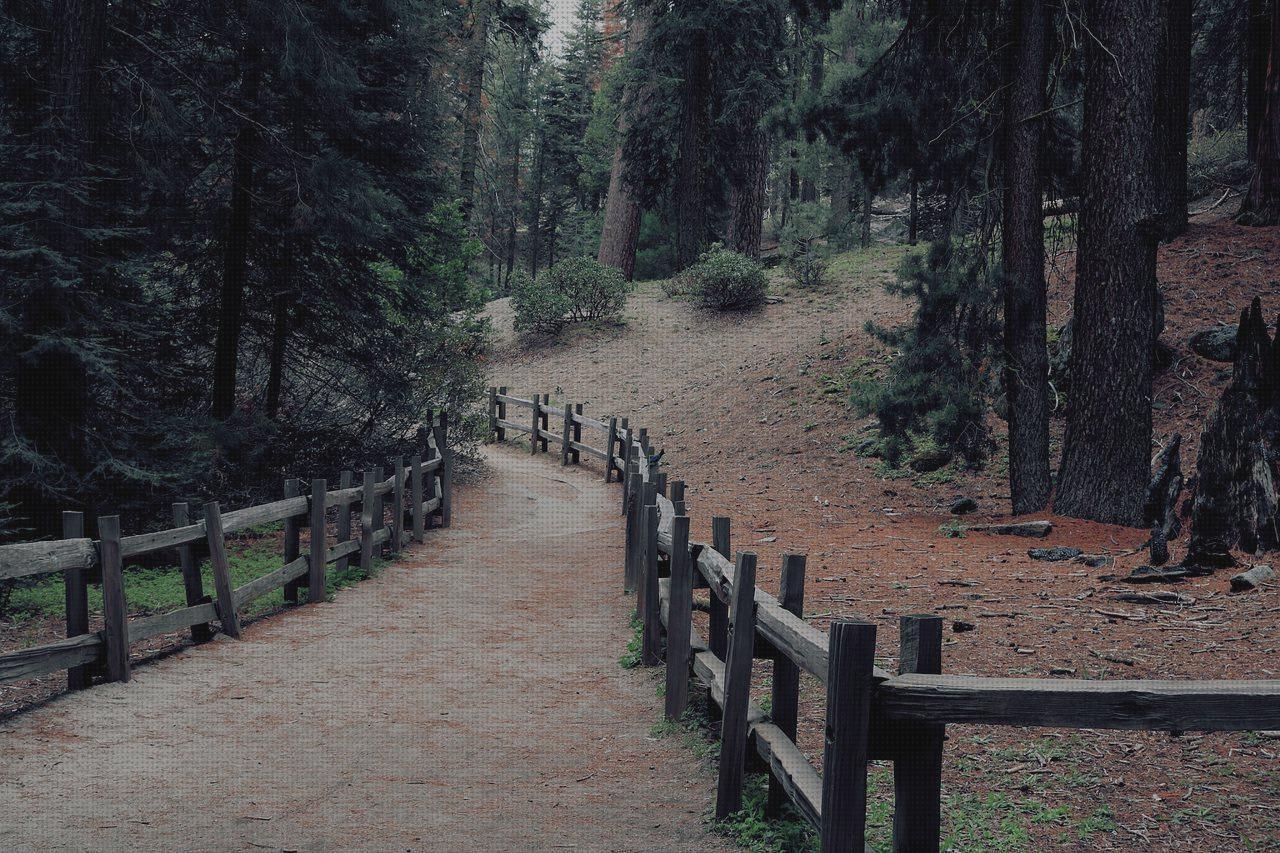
(738, 403)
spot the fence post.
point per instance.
(577, 435)
(415, 495)
(677, 497)
(446, 487)
(630, 501)
(397, 510)
(632, 468)
(115, 612)
(502, 414)
(537, 421)
(192, 583)
(785, 697)
(679, 619)
(718, 640)
(737, 688)
(567, 434)
(367, 500)
(651, 638)
(343, 533)
(851, 656)
(315, 577)
(379, 515)
(77, 599)
(608, 450)
(221, 571)
(660, 483)
(493, 415)
(917, 768)
(292, 546)
(648, 497)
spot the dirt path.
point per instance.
(467, 698)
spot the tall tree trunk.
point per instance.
(620, 233)
(473, 103)
(535, 206)
(51, 399)
(513, 213)
(867, 198)
(235, 258)
(1173, 103)
(746, 197)
(1026, 370)
(279, 340)
(1257, 51)
(691, 202)
(1261, 204)
(809, 186)
(1106, 455)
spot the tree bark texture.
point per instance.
(1107, 447)
(691, 201)
(1173, 102)
(1261, 204)
(620, 233)
(1026, 371)
(473, 109)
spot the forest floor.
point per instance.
(467, 697)
(752, 412)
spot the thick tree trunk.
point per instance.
(621, 231)
(1173, 102)
(1261, 204)
(513, 216)
(1026, 371)
(1257, 51)
(809, 186)
(691, 202)
(746, 198)
(51, 398)
(1106, 455)
(235, 259)
(867, 198)
(473, 101)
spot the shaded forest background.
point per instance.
(246, 240)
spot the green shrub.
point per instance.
(802, 243)
(726, 281)
(575, 290)
(933, 400)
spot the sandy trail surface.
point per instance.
(467, 698)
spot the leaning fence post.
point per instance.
(367, 500)
(608, 450)
(718, 641)
(679, 619)
(115, 613)
(785, 696)
(192, 583)
(343, 533)
(77, 599)
(315, 576)
(415, 495)
(651, 636)
(677, 497)
(737, 688)
(493, 415)
(851, 658)
(567, 434)
(221, 571)
(917, 767)
(397, 504)
(292, 545)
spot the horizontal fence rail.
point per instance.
(871, 714)
(418, 494)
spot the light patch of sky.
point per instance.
(562, 14)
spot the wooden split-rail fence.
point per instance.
(419, 493)
(871, 714)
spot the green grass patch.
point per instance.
(631, 659)
(160, 589)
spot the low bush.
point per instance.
(575, 290)
(726, 281)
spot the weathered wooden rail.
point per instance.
(419, 493)
(870, 714)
